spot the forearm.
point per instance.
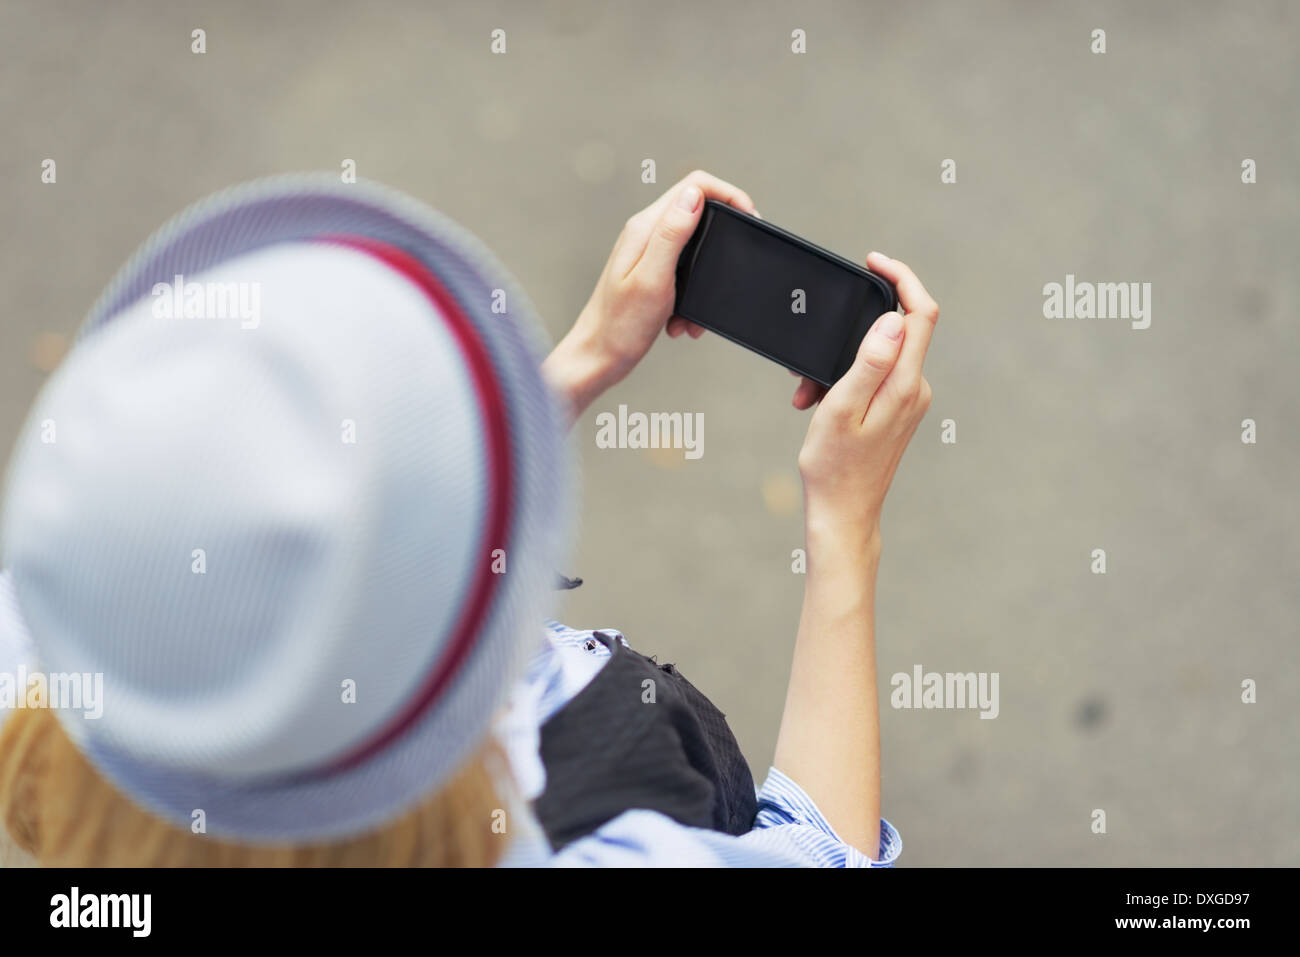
(578, 371)
(829, 741)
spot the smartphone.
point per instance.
(778, 294)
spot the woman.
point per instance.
(300, 548)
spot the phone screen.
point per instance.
(803, 308)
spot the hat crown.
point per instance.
(258, 528)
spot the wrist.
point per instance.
(832, 533)
(578, 370)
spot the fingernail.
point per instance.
(878, 253)
(689, 198)
(890, 325)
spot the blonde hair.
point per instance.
(59, 809)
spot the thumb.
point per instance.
(875, 359)
(676, 224)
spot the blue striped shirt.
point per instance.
(789, 831)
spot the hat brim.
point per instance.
(363, 794)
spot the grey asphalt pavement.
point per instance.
(1119, 691)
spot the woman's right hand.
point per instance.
(857, 435)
